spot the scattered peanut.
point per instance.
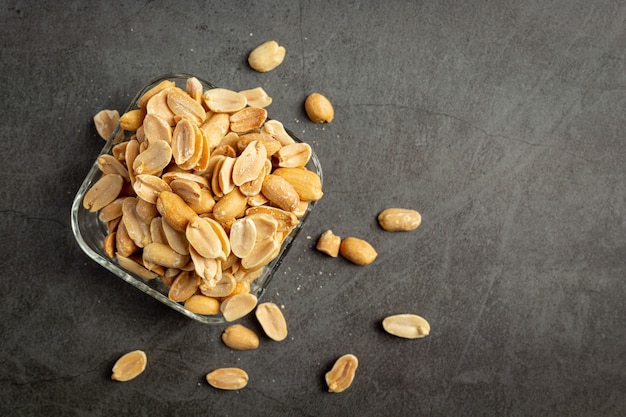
(357, 251)
(399, 220)
(340, 377)
(408, 326)
(228, 378)
(129, 366)
(329, 243)
(319, 108)
(239, 337)
(266, 56)
(272, 321)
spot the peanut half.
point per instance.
(399, 219)
(408, 326)
(329, 243)
(357, 251)
(129, 366)
(319, 108)
(340, 377)
(272, 321)
(228, 378)
(239, 337)
(266, 56)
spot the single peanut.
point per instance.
(239, 337)
(357, 251)
(106, 121)
(399, 219)
(129, 366)
(228, 378)
(272, 321)
(340, 377)
(319, 108)
(266, 56)
(408, 326)
(329, 243)
(237, 306)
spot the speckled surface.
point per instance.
(501, 122)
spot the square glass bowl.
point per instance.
(90, 232)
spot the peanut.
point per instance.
(340, 377)
(237, 306)
(272, 321)
(106, 121)
(319, 108)
(357, 251)
(408, 326)
(129, 366)
(239, 337)
(266, 56)
(329, 243)
(399, 220)
(228, 378)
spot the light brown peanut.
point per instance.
(174, 210)
(408, 326)
(228, 378)
(239, 337)
(399, 219)
(257, 97)
(237, 306)
(129, 366)
(272, 321)
(222, 100)
(132, 119)
(357, 251)
(340, 377)
(329, 243)
(164, 255)
(106, 121)
(266, 56)
(103, 192)
(319, 108)
(307, 183)
(201, 304)
(247, 119)
(280, 192)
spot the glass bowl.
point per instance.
(90, 232)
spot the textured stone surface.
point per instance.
(501, 122)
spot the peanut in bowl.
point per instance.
(197, 197)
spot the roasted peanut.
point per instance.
(399, 220)
(106, 121)
(357, 251)
(129, 366)
(237, 306)
(266, 56)
(239, 337)
(329, 243)
(340, 377)
(408, 326)
(319, 108)
(272, 321)
(228, 378)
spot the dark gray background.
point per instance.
(502, 122)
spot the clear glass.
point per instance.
(90, 232)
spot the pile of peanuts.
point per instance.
(202, 197)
